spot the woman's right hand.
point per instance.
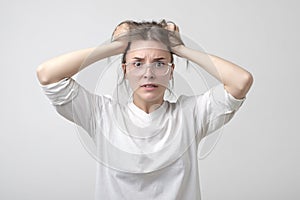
(121, 30)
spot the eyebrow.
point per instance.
(159, 58)
(155, 59)
(137, 58)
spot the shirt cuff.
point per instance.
(61, 92)
(224, 97)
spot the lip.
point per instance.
(149, 86)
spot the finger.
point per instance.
(171, 26)
(121, 29)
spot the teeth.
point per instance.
(148, 86)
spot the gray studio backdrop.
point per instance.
(257, 156)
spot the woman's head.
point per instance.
(148, 69)
(147, 61)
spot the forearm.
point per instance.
(237, 81)
(69, 64)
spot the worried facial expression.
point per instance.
(148, 71)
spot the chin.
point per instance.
(150, 97)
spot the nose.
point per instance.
(148, 73)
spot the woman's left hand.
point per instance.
(176, 43)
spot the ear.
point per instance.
(172, 69)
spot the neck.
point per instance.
(148, 107)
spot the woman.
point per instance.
(147, 148)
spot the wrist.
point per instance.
(119, 46)
(179, 50)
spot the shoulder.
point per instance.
(214, 95)
(184, 102)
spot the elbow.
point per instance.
(241, 87)
(246, 82)
(42, 74)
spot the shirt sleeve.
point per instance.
(215, 108)
(74, 102)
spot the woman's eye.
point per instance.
(137, 64)
(159, 64)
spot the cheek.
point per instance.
(163, 81)
(134, 81)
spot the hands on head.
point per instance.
(165, 32)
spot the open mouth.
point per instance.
(149, 85)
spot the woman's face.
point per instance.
(148, 82)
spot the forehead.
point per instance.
(144, 44)
(150, 48)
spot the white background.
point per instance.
(41, 156)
